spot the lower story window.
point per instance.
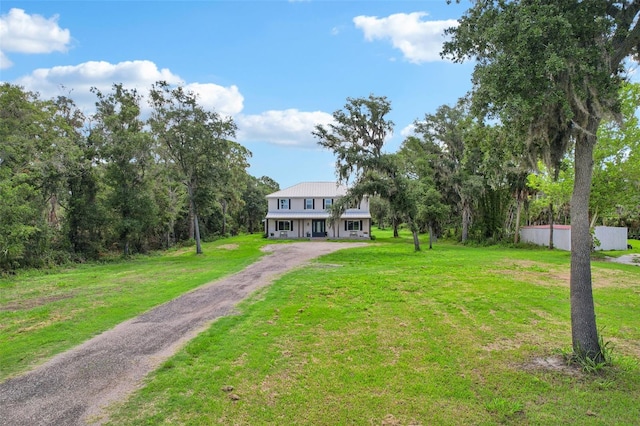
(353, 225)
(284, 225)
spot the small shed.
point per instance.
(608, 237)
(540, 235)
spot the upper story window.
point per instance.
(308, 204)
(354, 205)
(327, 202)
(284, 204)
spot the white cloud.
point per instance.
(420, 41)
(409, 130)
(225, 100)
(76, 81)
(4, 61)
(631, 70)
(23, 33)
(288, 127)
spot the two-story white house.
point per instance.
(301, 211)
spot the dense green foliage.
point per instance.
(76, 188)
(356, 138)
(616, 174)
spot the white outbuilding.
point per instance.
(606, 237)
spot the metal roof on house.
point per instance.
(355, 214)
(298, 215)
(289, 215)
(311, 189)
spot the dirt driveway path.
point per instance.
(74, 387)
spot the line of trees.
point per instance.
(75, 187)
(474, 181)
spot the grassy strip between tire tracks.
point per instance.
(375, 335)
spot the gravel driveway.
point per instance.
(74, 387)
(627, 259)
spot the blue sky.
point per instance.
(277, 67)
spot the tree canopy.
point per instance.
(76, 187)
(195, 142)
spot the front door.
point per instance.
(318, 228)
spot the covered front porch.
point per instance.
(289, 225)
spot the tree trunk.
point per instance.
(171, 233)
(550, 226)
(414, 232)
(516, 237)
(466, 219)
(192, 230)
(53, 217)
(584, 332)
(416, 241)
(395, 228)
(196, 226)
(224, 217)
(594, 218)
(430, 237)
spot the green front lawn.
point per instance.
(374, 335)
(44, 313)
(383, 335)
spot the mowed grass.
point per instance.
(42, 314)
(382, 335)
